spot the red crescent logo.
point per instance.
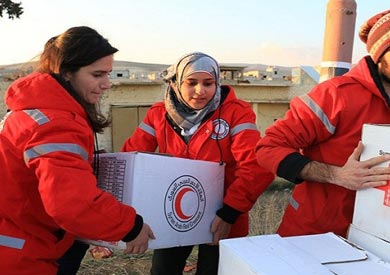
(178, 199)
(184, 203)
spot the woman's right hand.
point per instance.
(140, 244)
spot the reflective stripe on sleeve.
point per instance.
(37, 116)
(147, 129)
(11, 242)
(43, 149)
(319, 113)
(294, 203)
(241, 127)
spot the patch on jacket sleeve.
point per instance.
(220, 129)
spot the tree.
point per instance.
(14, 10)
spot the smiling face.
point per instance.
(198, 89)
(92, 80)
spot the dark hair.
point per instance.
(67, 53)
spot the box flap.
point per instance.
(303, 255)
(370, 242)
(369, 266)
(267, 255)
(328, 248)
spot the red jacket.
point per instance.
(324, 125)
(48, 190)
(245, 180)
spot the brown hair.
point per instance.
(68, 52)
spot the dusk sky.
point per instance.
(281, 32)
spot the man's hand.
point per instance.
(140, 244)
(356, 175)
(220, 229)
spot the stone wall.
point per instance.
(270, 101)
(128, 93)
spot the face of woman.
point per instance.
(90, 81)
(198, 89)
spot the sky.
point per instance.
(272, 32)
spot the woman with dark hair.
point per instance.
(204, 120)
(49, 192)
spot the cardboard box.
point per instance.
(372, 205)
(321, 254)
(266, 255)
(377, 246)
(367, 250)
(177, 197)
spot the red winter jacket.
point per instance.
(48, 190)
(324, 125)
(245, 180)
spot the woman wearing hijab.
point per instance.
(200, 119)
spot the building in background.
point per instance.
(136, 86)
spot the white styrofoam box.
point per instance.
(379, 247)
(304, 255)
(372, 205)
(178, 198)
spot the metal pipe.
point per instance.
(338, 39)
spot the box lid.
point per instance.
(310, 254)
(328, 248)
(266, 255)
